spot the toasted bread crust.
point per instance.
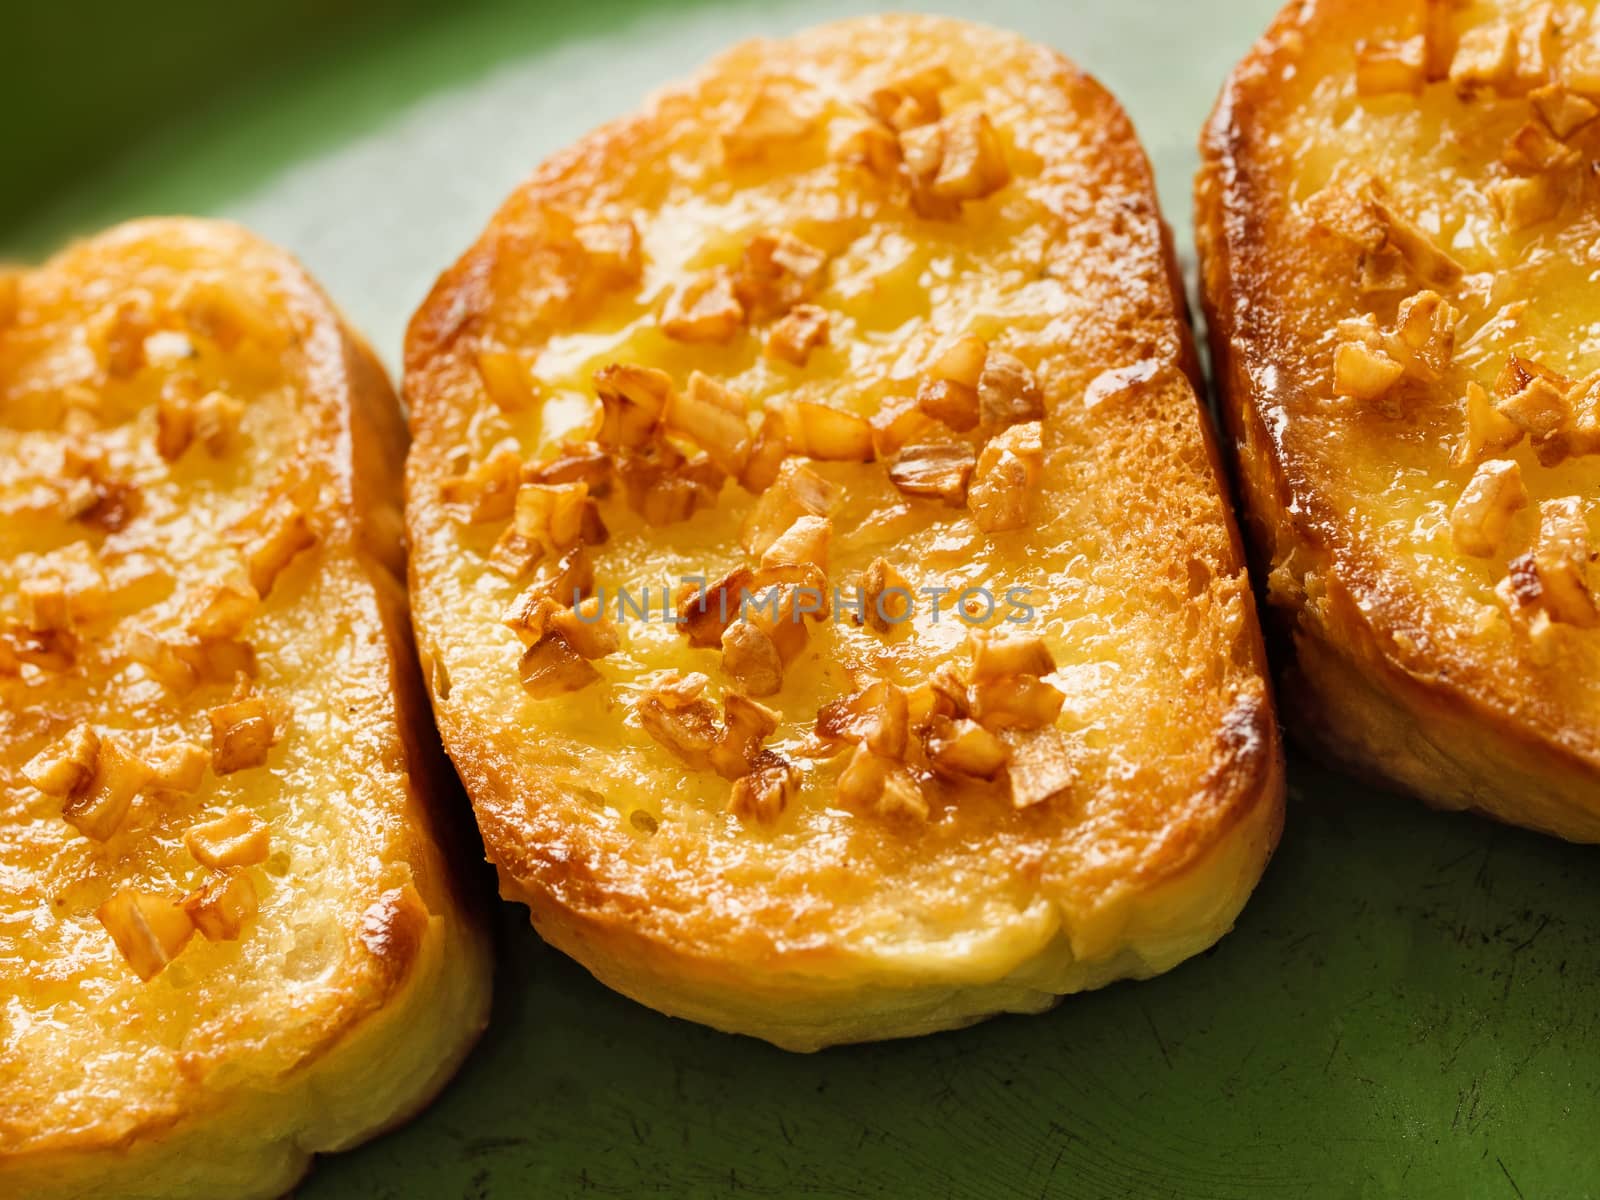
(831, 924)
(1388, 674)
(246, 1096)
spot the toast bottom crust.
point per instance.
(1146, 932)
(259, 1144)
(1394, 732)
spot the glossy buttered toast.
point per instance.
(1397, 219)
(228, 939)
(818, 559)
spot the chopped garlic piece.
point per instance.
(238, 838)
(1008, 393)
(273, 537)
(212, 418)
(129, 325)
(878, 717)
(1385, 68)
(66, 766)
(633, 400)
(487, 491)
(1485, 58)
(1582, 435)
(1043, 766)
(714, 417)
(664, 487)
(1534, 148)
(767, 452)
(962, 361)
(939, 472)
(674, 690)
(972, 164)
(220, 909)
(575, 462)
(183, 665)
(703, 613)
(751, 659)
(1522, 202)
(1539, 408)
(801, 330)
(912, 100)
(764, 793)
(805, 541)
(553, 515)
(242, 731)
(553, 667)
(874, 784)
(530, 613)
(997, 655)
(779, 612)
(223, 609)
(949, 391)
(588, 628)
(899, 423)
(1015, 702)
(962, 748)
(886, 596)
(98, 809)
(954, 404)
(706, 309)
(178, 768)
(746, 723)
(612, 251)
(776, 273)
(1363, 372)
(823, 432)
(1003, 481)
(1488, 432)
(1430, 264)
(1563, 559)
(674, 713)
(66, 588)
(149, 929)
(866, 144)
(1481, 516)
(1424, 336)
(1563, 111)
(767, 121)
(796, 492)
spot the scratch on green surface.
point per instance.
(1353, 1037)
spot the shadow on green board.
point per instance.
(1410, 1006)
(115, 93)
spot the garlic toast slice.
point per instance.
(228, 939)
(850, 317)
(1396, 214)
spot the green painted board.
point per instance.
(1410, 1005)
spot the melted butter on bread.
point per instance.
(975, 224)
(215, 806)
(1397, 221)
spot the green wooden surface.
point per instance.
(1408, 1006)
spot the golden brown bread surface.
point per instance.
(921, 262)
(228, 939)
(1395, 216)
